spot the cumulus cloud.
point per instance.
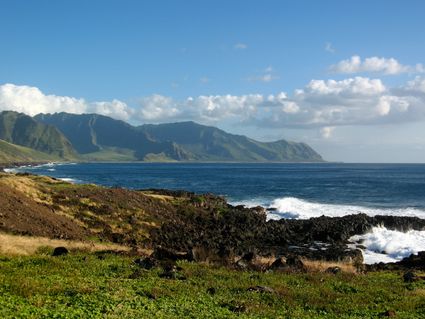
(31, 100)
(267, 75)
(321, 104)
(416, 86)
(389, 66)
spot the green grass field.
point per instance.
(84, 285)
(15, 153)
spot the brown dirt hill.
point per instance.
(43, 206)
(22, 214)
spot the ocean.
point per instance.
(301, 190)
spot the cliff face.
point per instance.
(23, 130)
(99, 136)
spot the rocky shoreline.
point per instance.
(200, 227)
(222, 231)
(4, 166)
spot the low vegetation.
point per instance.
(236, 273)
(11, 153)
(14, 245)
(104, 285)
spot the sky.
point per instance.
(346, 77)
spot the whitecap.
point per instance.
(69, 180)
(292, 207)
(10, 170)
(385, 245)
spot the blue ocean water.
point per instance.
(290, 190)
(371, 185)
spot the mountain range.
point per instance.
(93, 137)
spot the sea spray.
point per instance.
(291, 207)
(382, 244)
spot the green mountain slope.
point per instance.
(98, 137)
(212, 144)
(23, 130)
(11, 153)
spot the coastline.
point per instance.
(318, 238)
(174, 252)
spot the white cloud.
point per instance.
(353, 86)
(417, 85)
(327, 131)
(329, 47)
(32, 101)
(264, 78)
(267, 75)
(240, 46)
(290, 107)
(155, 107)
(321, 104)
(116, 109)
(389, 66)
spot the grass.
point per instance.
(84, 285)
(110, 154)
(10, 153)
(24, 245)
(321, 265)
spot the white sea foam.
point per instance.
(10, 170)
(69, 180)
(291, 207)
(381, 244)
(50, 164)
(384, 245)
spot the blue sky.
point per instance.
(227, 63)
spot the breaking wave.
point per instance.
(291, 207)
(385, 245)
(380, 244)
(70, 180)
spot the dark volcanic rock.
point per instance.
(224, 231)
(146, 263)
(279, 264)
(161, 253)
(389, 313)
(295, 263)
(410, 277)
(211, 290)
(414, 261)
(60, 251)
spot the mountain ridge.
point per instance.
(23, 130)
(95, 137)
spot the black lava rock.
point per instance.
(60, 251)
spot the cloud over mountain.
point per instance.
(31, 100)
(322, 104)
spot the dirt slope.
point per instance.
(21, 214)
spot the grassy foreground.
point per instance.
(90, 285)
